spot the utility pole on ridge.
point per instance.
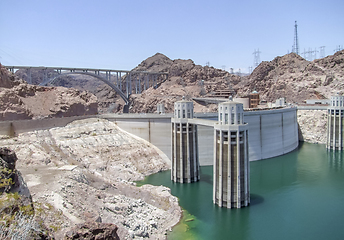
(322, 51)
(256, 54)
(296, 41)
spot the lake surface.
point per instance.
(299, 195)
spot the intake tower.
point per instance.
(185, 162)
(335, 122)
(231, 183)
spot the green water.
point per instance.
(296, 196)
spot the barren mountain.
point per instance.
(20, 100)
(185, 79)
(296, 79)
(108, 100)
(288, 76)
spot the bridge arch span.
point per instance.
(111, 84)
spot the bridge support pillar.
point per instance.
(185, 162)
(231, 177)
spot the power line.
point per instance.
(338, 48)
(250, 69)
(322, 51)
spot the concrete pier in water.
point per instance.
(335, 122)
(231, 177)
(185, 162)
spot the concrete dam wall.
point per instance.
(271, 132)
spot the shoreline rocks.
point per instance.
(312, 126)
(85, 171)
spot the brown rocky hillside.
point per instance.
(297, 79)
(185, 79)
(19, 100)
(288, 76)
(108, 100)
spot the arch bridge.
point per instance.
(124, 82)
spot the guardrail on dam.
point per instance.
(271, 132)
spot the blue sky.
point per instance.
(120, 34)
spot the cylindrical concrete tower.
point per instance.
(231, 183)
(335, 123)
(185, 163)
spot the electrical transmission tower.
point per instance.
(250, 69)
(304, 54)
(338, 48)
(315, 53)
(322, 51)
(296, 41)
(256, 54)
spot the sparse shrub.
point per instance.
(21, 226)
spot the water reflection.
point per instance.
(273, 174)
(256, 199)
(206, 177)
(335, 160)
(230, 223)
(299, 195)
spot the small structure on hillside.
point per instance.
(185, 162)
(231, 183)
(335, 123)
(254, 99)
(245, 101)
(280, 102)
(318, 101)
(160, 108)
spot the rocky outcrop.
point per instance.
(8, 79)
(185, 79)
(296, 79)
(108, 99)
(8, 176)
(19, 100)
(312, 126)
(289, 76)
(93, 230)
(85, 172)
(16, 206)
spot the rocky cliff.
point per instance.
(296, 79)
(16, 206)
(185, 79)
(19, 100)
(312, 126)
(108, 100)
(288, 76)
(85, 172)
